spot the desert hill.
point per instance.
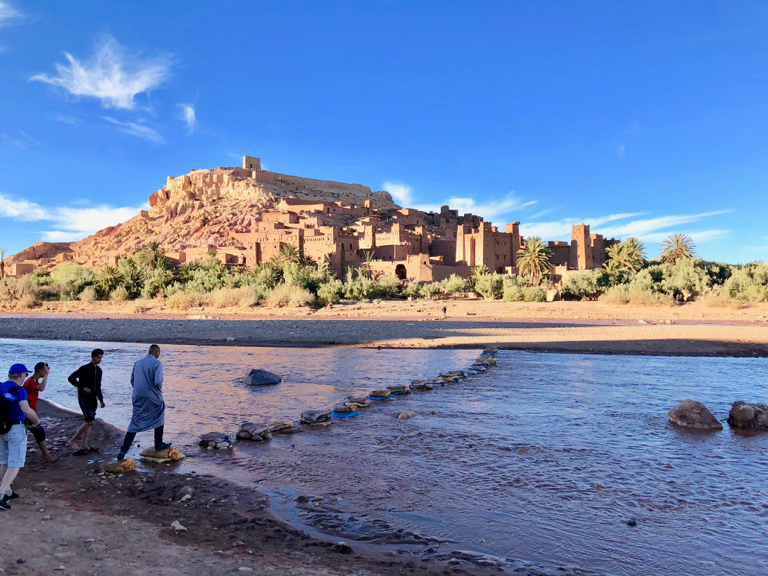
(202, 209)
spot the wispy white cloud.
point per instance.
(112, 75)
(7, 13)
(23, 140)
(188, 115)
(140, 130)
(559, 229)
(488, 210)
(621, 150)
(648, 229)
(70, 223)
(403, 195)
(66, 119)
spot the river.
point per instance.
(541, 461)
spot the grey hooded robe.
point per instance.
(148, 404)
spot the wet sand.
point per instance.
(71, 519)
(580, 327)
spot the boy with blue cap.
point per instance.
(13, 444)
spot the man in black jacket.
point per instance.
(87, 380)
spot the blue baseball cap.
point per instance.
(18, 369)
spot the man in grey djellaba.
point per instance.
(148, 404)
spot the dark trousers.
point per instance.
(131, 436)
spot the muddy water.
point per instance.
(543, 460)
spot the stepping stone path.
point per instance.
(217, 440)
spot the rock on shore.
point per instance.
(748, 416)
(691, 414)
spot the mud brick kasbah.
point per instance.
(246, 215)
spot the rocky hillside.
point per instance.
(199, 209)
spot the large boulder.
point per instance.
(261, 378)
(748, 416)
(691, 414)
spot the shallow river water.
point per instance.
(542, 460)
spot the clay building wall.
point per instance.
(581, 257)
(487, 246)
(561, 252)
(445, 248)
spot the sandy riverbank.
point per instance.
(586, 327)
(71, 516)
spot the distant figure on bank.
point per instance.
(13, 443)
(445, 312)
(87, 380)
(148, 404)
(34, 385)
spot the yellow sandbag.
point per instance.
(119, 467)
(172, 453)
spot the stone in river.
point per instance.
(379, 394)
(256, 431)
(261, 378)
(406, 414)
(344, 409)
(217, 440)
(748, 416)
(398, 389)
(358, 402)
(315, 417)
(691, 414)
(421, 385)
(280, 426)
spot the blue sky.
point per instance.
(641, 118)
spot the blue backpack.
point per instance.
(6, 400)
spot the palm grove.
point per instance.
(290, 279)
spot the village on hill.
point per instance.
(246, 216)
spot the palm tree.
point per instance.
(368, 263)
(677, 247)
(636, 249)
(108, 278)
(3, 252)
(533, 259)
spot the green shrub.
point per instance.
(490, 286)
(330, 292)
(587, 285)
(535, 294)
(14, 290)
(41, 277)
(181, 300)
(390, 285)
(156, 282)
(73, 278)
(748, 283)
(687, 278)
(455, 283)
(636, 296)
(119, 294)
(228, 297)
(88, 294)
(293, 296)
(430, 289)
(413, 290)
